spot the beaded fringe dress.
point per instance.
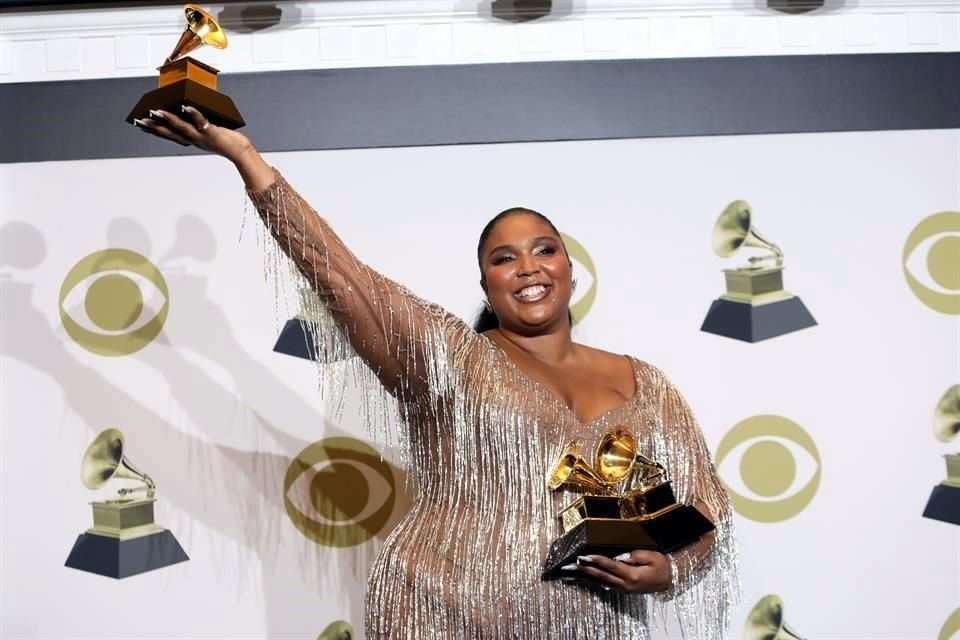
(477, 436)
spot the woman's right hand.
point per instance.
(192, 127)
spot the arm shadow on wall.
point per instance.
(234, 492)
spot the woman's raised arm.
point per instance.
(403, 339)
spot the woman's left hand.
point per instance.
(639, 571)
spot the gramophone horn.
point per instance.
(201, 29)
(946, 418)
(104, 460)
(571, 468)
(734, 230)
(765, 621)
(339, 630)
(616, 455)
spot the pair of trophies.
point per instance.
(627, 503)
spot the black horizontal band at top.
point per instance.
(510, 102)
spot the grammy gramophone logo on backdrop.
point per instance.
(766, 622)
(944, 502)
(338, 492)
(114, 302)
(124, 539)
(931, 262)
(338, 630)
(755, 306)
(770, 467)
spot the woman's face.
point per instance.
(526, 275)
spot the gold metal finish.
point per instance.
(201, 29)
(104, 460)
(734, 230)
(765, 621)
(946, 417)
(124, 520)
(615, 456)
(953, 470)
(571, 468)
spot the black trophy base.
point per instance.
(295, 341)
(743, 321)
(667, 532)
(116, 558)
(217, 107)
(944, 504)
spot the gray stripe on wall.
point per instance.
(518, 102)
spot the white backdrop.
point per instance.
(215, 417)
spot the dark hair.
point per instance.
(487, 319)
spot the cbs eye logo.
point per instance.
(931, 264)
(951, 627)
(778, 468)
(588, 291)
(338, 492)
(114, 302)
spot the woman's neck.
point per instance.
(551, 348)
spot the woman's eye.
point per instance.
(547, 251)
(502, 259)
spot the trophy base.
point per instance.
(295, 341)
(669, 531)
(753, 323)
(120, 558)
(944, 504)
(217, 107)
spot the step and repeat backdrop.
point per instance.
(134, 297)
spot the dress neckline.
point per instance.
(545, 390)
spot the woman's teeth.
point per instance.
(534, 292)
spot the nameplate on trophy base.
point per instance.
(944, 502)
(189, 82)
(674, 527)
(120, 558)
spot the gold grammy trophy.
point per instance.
(627, 504)
(185, 81)
(124, 539)
(944, 502)
(755, 306)
(765, 621)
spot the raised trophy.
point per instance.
(124, 539)
(185, 81)
(627, 503)
(755, 306)
(944, 502)
(765, 621)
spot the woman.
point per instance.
(484, 414)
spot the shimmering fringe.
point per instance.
(471, 451)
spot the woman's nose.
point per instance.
(527, 265)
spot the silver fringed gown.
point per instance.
(477, 436)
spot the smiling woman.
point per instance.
(481, 415)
